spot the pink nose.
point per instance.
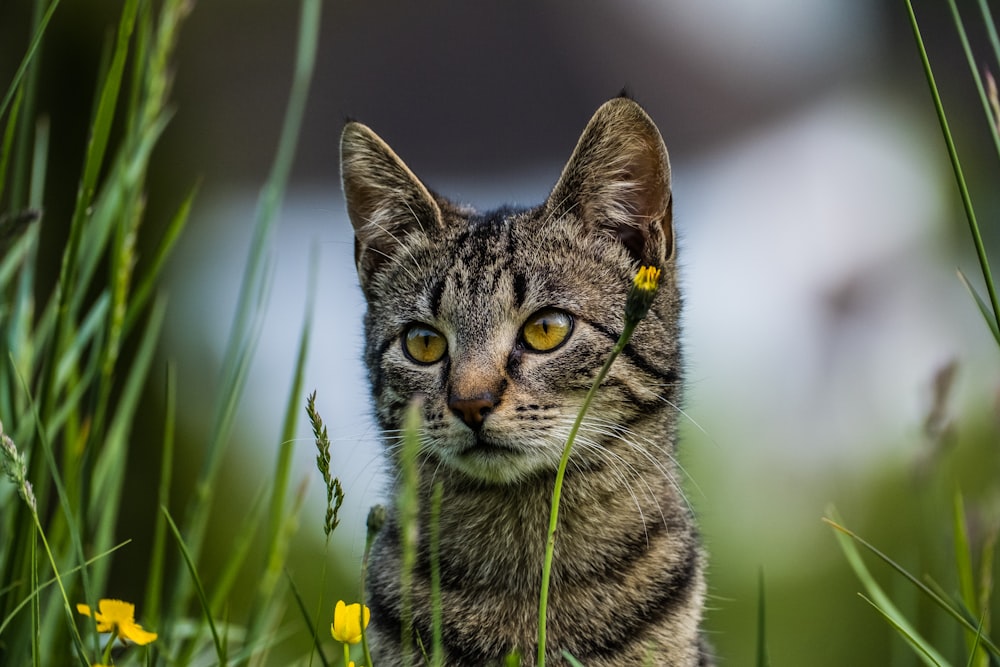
(473, 411)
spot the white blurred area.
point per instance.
(820, 284)
(822, 288)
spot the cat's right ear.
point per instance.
(617, 182)
(385, 200)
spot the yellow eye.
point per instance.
(547, 329)
(424, 345)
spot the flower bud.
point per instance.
(640, 297)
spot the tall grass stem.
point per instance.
(963, 189)
(409, 531)
(550, 542)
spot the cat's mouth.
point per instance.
(493, 461)
(482, 451)
(482, 447)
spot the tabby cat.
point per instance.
(499, 322)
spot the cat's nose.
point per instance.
(473, 411)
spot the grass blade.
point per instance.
(275, 545)
(17, 197)
(39, 165)
(46, 584)
(223, 583)
(986, 570)
(154, 581)
(108, 101)
(763, 660)
(970, 213)
(920, 647)
(145, 285)
(256, 278)
(87, 331)
(305, 617)
(975, 644)
(855, 559)
(437, 622)
(408, 508)
(65, 505)
(278, 534)
(6, 147)
(984, 308)
(109, 470)
(15, 83)
(220, 650)
(238, 552)
(966, 576)
(991, 29)
(36, 611)
(974, 69)
(15, 257)
(96, 147)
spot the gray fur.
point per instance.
(627, 585)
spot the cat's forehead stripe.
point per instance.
(482, 255)
(520, 284)
(437, 291)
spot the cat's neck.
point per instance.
(602, 510)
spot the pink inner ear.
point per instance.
(650, 196)
(643, 195)
(385, 200)
(634, 240)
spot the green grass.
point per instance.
(76, 364)
(970, 608)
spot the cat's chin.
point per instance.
(495, 463)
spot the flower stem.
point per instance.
(543, 600)
(376, 517)
(347, 651)
(106, 658)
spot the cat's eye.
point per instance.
(424, 345)
(547, 329)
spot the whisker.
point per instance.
(683, 413)
(618, 432)
(394, 258)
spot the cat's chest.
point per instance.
(502, 531)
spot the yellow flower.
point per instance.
(647, 279)
(640, 297)
(346, 626)
(119, 618)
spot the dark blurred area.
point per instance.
(489, 86)
(492, 85)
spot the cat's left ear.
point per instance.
(385, 200)
(618, 182)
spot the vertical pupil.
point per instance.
(427, 341)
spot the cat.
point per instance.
(500, 322)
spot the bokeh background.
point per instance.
(834, 358)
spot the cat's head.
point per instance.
(501, 321)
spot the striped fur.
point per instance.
(627, 585)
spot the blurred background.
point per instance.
(834, 358)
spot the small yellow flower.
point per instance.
(640, 297)
(118, 617)
(647, 279)
(346, 626)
